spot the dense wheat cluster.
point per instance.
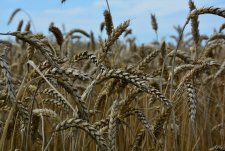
(59, 93)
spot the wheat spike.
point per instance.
(137, 81)
(138, 140)
(115, 35)
(46, 112)
(70, 72)
(192, 101)
(160, 122)
(194, 24)
(141, 117)
(108, 22)
(196, 70)
(14, 14)
(20, 25)
(182, 55)
(217, 148)
(101, 123)
(7, 73)
(84, 125)
(92, 57)
(113, 125)
(27, 27)
(80, 103)
(148, 59)
(57, 33)
(207, 10)
(154, 22)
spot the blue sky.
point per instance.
(88, 14)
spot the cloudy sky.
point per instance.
(88, 14)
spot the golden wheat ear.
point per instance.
(217, 148)
(87, 127)
(115, 35)
(194, 25)
(154, 25)
(139, 140)
(57, 33)
(19, 28)
(108, 22)
(27, 27)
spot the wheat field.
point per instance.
(59, 93)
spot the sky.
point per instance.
(88, 14)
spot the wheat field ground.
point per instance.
(60, 93)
